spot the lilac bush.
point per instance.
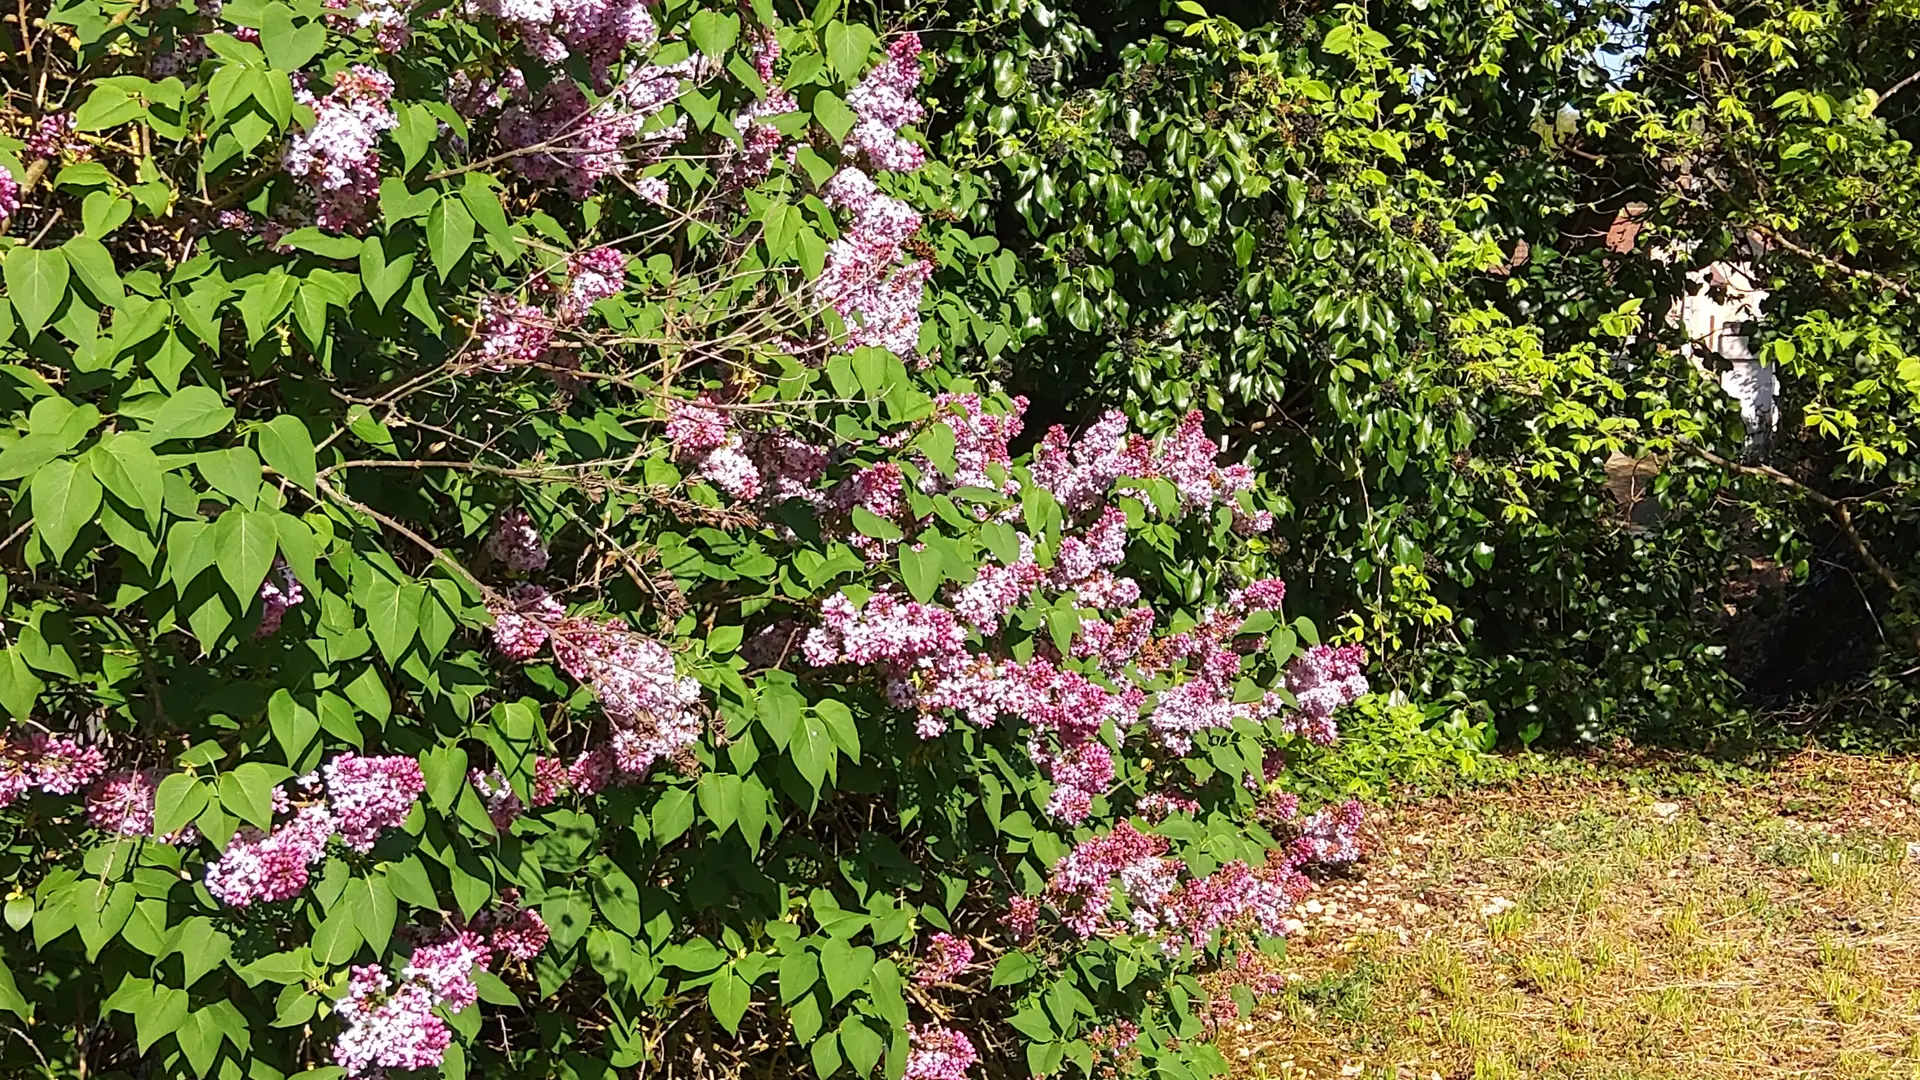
(509, 579)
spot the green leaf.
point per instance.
(294, 725)
(177, 801)
(921, 570)
(398, 204)
(1014, 968)
(393, 614)
(107, 106)
(812, 749)
(445, 770)
(845, 967)
(131, 472)
(289, 48)
(861, 1044)
(848, 48)
(201, 947)
(244, 546)
(36, 283)
(287, 446)
(382, 278)
(713, 32)
(616, 897)
(248, 795)
(672, 815)
(234, 473)
(90, 259)
(449, 234)
(799, 971)
(833, 114)
(872, 524)
(19, 686)
(728, 996)
(10, 997)
(65, 497)
(159, 1015)
(415, 133)
(193, 413)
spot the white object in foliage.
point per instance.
(1719, 326)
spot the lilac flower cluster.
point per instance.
(1323, 679)
(54, 764)
(573, 143)
(947, 956)
(363, 797)
(9, 195)
(516, 544)
(509, 332)
(553, 30)
(388, 19)
(53, 137)
(651, 709)
(769, 466)
(122, 802)
(279, 591)
(338, 158)
(868, 280)
(884, 102)
(388, 1028)
(938, 1053)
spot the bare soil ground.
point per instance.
(1616, 923)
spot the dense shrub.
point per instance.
(501, 579)
(1392, 245)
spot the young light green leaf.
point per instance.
(65, 497)
(287, 446)
(36, 283)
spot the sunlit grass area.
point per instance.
(1617, 924)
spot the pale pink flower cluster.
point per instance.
(1330, 837)
(503, 806)
(386, 18)
(54, 764)
(651, 709)
(980, 455)
(51, 137)
(1080, 472)
(938, 1053)
(370, 795)
(446, 967)
(868, 279)
(884, 102)
(279, 591)
(575, 143)
(365, 796)
(752, 160)
(553, 30)
(515, 542)
(338, 158)
(1179, 910)
(1322, 680)
(518, 932)
(592, 276)
(510, 331)
(947, 957)
(388, 1028)
(122, 802)
(267, 867)
(764, 466)
(1159, 805)
(1079, 775)
(9, 195)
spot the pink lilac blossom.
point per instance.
(939, 1053)
(523, 619)
(865, 281)
(1260, 521)
(55, 764)
(1079, 775)
(503, 806)
(1022, 919)
(697, 427)
(1322, 680)
(1186, 458)
(1114, 644)
(369, 795)
(510, 332)
(386, 18)
(592, 276)
(388, 1030)
(599, 30)
(650, 706)
(549, 780)
(273, 866)
(1330, 837)
(947, 956)
(446, 968)
(1158, 806)
(1263, 595)
(1080, 472)
(9, 195)
(521, 935)
(122, 802)
(338, 158)
(1233, 894)
(790, 468)
(279, 592)
(980, 444)
(1082, 881)
(516, 543)
(884, 102)
(51, 136)
(574, 143)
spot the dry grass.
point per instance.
(1579, 926)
